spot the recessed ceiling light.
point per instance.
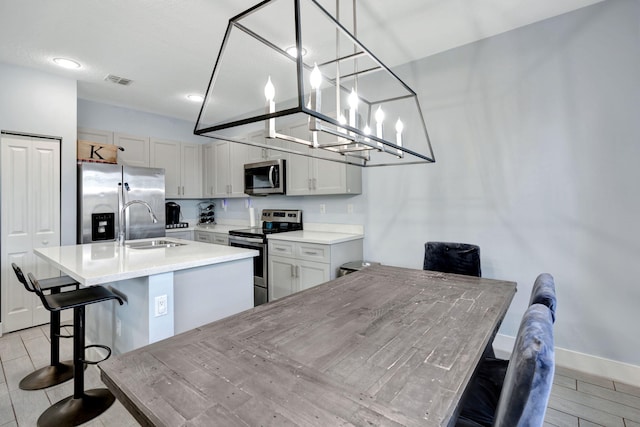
(292, 51)
(67, 63)
(195, 98)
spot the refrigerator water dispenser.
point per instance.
(103, 226)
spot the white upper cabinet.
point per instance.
(94, 135)
(313, 176)
(191, 157)
(224, 169)
(136, 149)
(182, 163)
(257, 154)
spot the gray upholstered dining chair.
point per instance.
(521, 399)
(544, 292)
(448, 257)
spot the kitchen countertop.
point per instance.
(98, 263)
(321, 237)
(176, 230)
(382, 346)
(219, 228)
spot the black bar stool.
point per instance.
(83, 405)
(57, 372)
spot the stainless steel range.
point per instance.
(273, 221)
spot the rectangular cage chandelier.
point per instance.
(290, 77)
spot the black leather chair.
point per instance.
(457, 258)
(447, 257)
(520, 398)
(57, 372)
(83, 405)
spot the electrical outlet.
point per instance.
(323, 208)
(349, 208)
(118, 327)
(161, 305)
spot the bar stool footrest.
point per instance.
(72, 411)
(91, 362)
(59, 335)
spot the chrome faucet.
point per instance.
(123, 226)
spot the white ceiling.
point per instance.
(168, 47)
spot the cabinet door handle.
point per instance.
(293, 274)
(279, 249)
(178, 190)
(297, 271)
(183, 190)
(45, 242)
(315, 186)
(310, 253)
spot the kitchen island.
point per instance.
(167, 289)
(382, 346)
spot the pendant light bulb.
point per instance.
(366, 130)
(399, 126)
(379, 115)
(269, 90)
(353, 100)
(342, 119)
(315, 77)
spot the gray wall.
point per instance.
(535, 133)
(536, 138)
(42, 104)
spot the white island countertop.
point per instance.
(320, 237)
(99, 263)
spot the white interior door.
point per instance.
(30, 206)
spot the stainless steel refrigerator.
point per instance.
(102, 191)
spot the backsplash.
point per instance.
(337, 209)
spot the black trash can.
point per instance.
(354, 266)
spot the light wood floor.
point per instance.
(577, 399)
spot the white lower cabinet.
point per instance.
(289, 275)
(296, 266)
(182, 234)
(209, 237)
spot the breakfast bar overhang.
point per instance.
(167, 289)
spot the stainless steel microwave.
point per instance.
(264, 178)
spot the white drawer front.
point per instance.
(202, 236)
(281, 248)
(220, 239)
(313, 252)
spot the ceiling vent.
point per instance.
(118, 80)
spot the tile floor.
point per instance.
(577, 399)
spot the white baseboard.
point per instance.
(594, 365)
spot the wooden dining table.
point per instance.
(385, 346)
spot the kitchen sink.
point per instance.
(154, 244)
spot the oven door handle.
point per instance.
(241, 240)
